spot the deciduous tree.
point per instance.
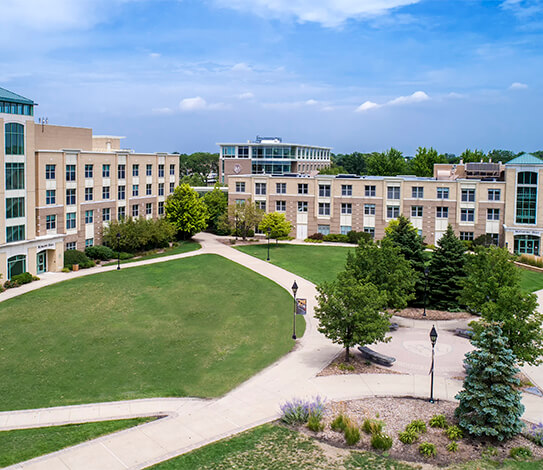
(216, 202)
(186, 211)
(240, 218)
(278, 224)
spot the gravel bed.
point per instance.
(358, 363)
(416, 314)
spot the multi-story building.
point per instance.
(59, 186)
(270, 155)
(475, 198)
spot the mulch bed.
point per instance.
(416, 314)
(357, 365)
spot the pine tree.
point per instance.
(490, 405)
(446, 272)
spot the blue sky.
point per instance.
(356, 75)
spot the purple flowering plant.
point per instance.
(297, 411)
(535, 433)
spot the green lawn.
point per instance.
(24, 444)
(192, 327)
(314, 263)
(531, 280)
(183, 247)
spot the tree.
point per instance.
(403, 235)
(386, 268)
(277, 222)
(473, 156)
(216, 202)
(389, 163)
(501, 155)
(353, 163)
(138, 234)
(424, 161)
(186, 211)
(490, 403)
(199, 163)
(240, 218)
(447, 271)
(351, 312)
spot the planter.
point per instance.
(75, 267)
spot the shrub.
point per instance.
(354, 237)
(312, 240)
(352, 434)
(408, 437)
(372, 426)
(314, 423)
(531, 261)
(452, 446)
(343, 366)
(138, 234)
(454, 432)
(297, 411)
(490, 451)
(381, 441)
(72, 257)
(427, 449)
(340, 423)
(100, 252)
(65, 270)
(417, 425)
(438, 421)
(124, 255)
(535, 433)
(316, 236)
(23, 278)
(520, 453)
(336, 237)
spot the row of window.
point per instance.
(50, 171)
(16, 108)
(275, 152)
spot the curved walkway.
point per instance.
(192, 423)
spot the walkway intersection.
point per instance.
(192, 423)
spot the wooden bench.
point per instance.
(393, 326)
(463, 333)
(374, 356)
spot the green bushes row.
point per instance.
(100, 252)
(352, 237)
(72, 257)
(138, 235)
(19, 280)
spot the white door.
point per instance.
(301, 232)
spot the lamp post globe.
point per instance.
(294, 291)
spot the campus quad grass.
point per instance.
(530, 280)
(183, 247)
(24, 444)
(314, 263)
(192, 327)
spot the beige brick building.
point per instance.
(59, 186)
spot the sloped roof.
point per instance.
(525, 159)
(6, 95)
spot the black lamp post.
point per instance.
(433, 339)
(426, 270)
(269, 233)
(294, 290)
(118, 250)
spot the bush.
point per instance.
(100, 252)
(344, 366)
(535, 434)
(23, 278)
(452, 446)
(427, 449)
(520, 453)
(72, 257)
(531, 261)
(408, 437)
(123, 255)
(352, 434)
(381, 441)
(65, 270)
(336, 237)
(312, 240)
(454, 432)
(354, 237)
(372, 426)
(483, 240)
(417, 425)
(298, 411)
(314, 423)
(340, 423)
(316, 236)
(438, 421)
(138, 234)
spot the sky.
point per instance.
(354, 75)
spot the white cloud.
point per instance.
(518, 86)
(329, 13)
(417, 97)
(154, 55)
(367, 105)
(162, 111)
(311, 102)
(198, 104)
(241, 67)
(523, 8)
(246, 96)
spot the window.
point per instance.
(495, 237)
(260, 188)
(442, 212)
(121, 193)
(149, 170)
(70, 172)
(89, 242)
(324, 229)
(417, 192)
(303, 188)
(16, 265)
(121, 213)
(369, 191)
(15, 207)
(105, 192)
(15, 233)
(493, 214)
(346, 208)
(172, 187)
(229, 152)
(468, 195)
(148, 189)
(324, 190)
(135, 170)
(240, 187)
(88, 194)
(50, 196)
(443, 193)
(161, 189)
(88, 171)
(89, 217)
(345, 229)
(494, 194)
(161, 171)
(393, 212)
(121, 172)
(50, 222)
(346, 189)
(105, 171)
(393, 192)
(71, 246)
(369, 209)
(15, 176)
(161, 208)
(467, 215)
(135, 210)
(106, 214)
(172, 170)
(50, 172)
(466, 236)
(302, 206)
(281, 188)
(135, 190)
(243, 152)
(324, 208)
(149, 208)
(15, 138)
(261, 205)
(370, 230)
(70, 197)
(526, 198)
(280, 206)
(70, 221)
(416, 211)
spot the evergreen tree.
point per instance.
(447, 272)
(490, 404)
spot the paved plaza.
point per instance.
(191, 423)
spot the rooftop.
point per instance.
(6, 95)
(526, 159)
